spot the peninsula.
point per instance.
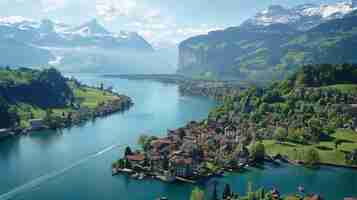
(308, 119)
(33, 99)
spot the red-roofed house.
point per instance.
(136, 158)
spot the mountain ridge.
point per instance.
(42, 36)
(269, 51)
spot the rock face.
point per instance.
(274, 43)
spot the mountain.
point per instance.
(238, 52)
(55, 34)
(264, 51)
(303, 17)
(38, 43)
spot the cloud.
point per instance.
(111, 9)
(170, 34)
(51, 5)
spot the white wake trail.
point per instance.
(36, 182)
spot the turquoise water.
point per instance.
(75, 163)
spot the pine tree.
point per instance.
(227, 191)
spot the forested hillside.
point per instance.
(315, 107)
(269, 52)
(27, 94)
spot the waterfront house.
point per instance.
(161, 146)
(136, 159)
(182, 167)
(37, 124)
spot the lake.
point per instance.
(75, 163)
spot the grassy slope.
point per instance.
(85, 96)
(326, 149)
(18, 77)
(346, 88)
(88, 97)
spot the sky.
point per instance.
(161, 22)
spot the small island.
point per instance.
(45, 99)
(309, 119)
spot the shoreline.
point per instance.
(215, 89)
(120, 103)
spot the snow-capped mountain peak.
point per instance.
(15, 20)
(325, 11)
(19, 22)
(48, 33)
(90, 28)
(303, 16)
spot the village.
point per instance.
(197, 151)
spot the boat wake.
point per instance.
(38, 181)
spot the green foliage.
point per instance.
(280, 134)
(8, 118)
(315, 103)
(128, 151)
(197, 194)
(311, 157)
(252, 54)
(257, 151)
(324, 75)
(27, 94)
(145, 140)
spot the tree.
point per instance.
(127, 164)
(257, 151)
(121, 163)
(316, 129)
(280, 134)
(142, 141)
(197, 194)
(337, 142)
(311, 157)
(128, 151)
(227, 191)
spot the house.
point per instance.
(158, 163)
(160, 143)
(182, 167)
(161, 146)
(136, 159)
(37, 124)
(230, 131)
